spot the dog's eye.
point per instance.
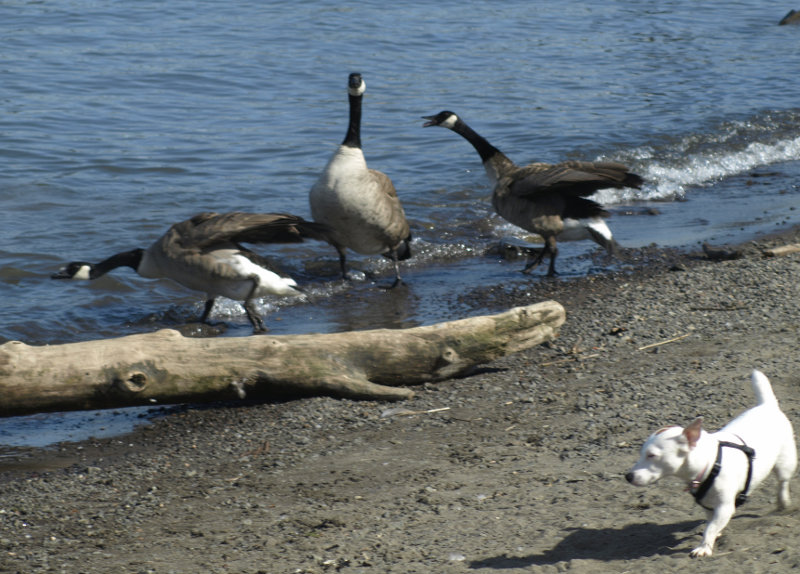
(651, 455)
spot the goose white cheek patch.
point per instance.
(450, 122)
(82, 274)
(359, 90)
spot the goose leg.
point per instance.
(342, 259)
(207, 311)
(535, 263)
(551, 272)
(549, 249)
(397, 279)
(250, 310)
(254, 317)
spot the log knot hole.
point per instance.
(133, 382)
(446, 357)
(449, 355)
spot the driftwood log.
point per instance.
(166, 367)
(781, 251)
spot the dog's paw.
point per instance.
(702, 550)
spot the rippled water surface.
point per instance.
(118, 119)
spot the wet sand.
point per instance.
(523, 473)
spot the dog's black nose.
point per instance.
(629, 477)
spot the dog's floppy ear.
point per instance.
(692, 432)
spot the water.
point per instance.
(45, 429)
(118, 119)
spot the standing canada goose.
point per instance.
(204, 254)
(360, 204)
(547, 199)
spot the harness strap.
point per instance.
(706, 485)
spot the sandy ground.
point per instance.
(522, 473)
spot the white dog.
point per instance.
(722, 468)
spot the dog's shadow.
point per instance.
(627, 543)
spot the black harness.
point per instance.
(706, 485)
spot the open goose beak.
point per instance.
(430, 121)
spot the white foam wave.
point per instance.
(671, 176)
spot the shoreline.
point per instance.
(523, 473)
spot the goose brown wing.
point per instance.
(384, 183)
(611, 171)
(580, 179)
(206, 229)
(395, 227)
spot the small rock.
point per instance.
(456, 557)
(793, 17)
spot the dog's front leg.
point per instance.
(718, 520)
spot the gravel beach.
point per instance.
(522, 473)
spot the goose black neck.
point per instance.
(130, 259)
(353, 137)
(486, 150)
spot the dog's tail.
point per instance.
(762, 389)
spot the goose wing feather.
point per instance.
(384, 183)
(207, 229)
(395, 227)
(201, 248)
(580, 179)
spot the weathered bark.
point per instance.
(165, 367)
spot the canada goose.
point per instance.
(204, 254)
(360, 204)
(544, 198)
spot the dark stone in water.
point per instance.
(650, 211)
(793, 17)
(716, 254)
(201, 330)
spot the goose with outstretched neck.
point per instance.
(205, 254)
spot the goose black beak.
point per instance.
(62, 274)
(431, 121)
(354, 81)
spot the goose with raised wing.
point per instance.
(205, 254)
(547, 199)
(358, 203)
